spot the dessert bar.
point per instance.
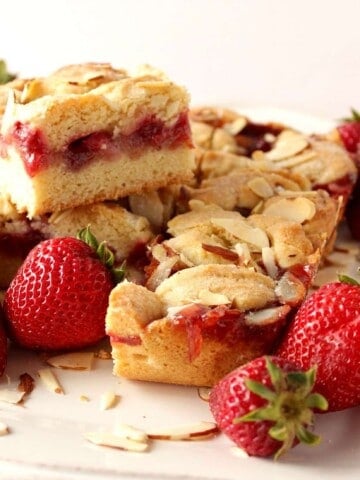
(89, 133)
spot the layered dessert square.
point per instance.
(220, 290)
(89, 133)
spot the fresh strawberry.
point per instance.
(349, 132)
(3, 344)
(326, 332)
(59, 297)
(265, 406)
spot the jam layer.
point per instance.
(150, 133)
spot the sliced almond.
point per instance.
(299, 159)
(298, 210)
(72, 361)
(287, 144)
(290, 290)
(50, 381)
(128, 431)
(295, 193)
(261, 187)
(243, 251)
(209, 298)
(4, 429)
(185, 432)
(108, 439)
(241, 230)
(239, 452)
(84, 398)
(204, 393)
(108, 400)
(221, 139)
(202, 133)
(11, 396)
(268, 258)
(267, 316)
(236, 126)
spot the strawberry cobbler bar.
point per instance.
(89, 133)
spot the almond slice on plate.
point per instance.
(72, 361)
(204, 393)
(128, 431)
(11, 396)
(50, 381)
(4, 429)
(107, 439)
(108, 400)
(195, 431)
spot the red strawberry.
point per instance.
(3, 344)
(266, 405)
(59, 297)
(326, 332)
(350, 132)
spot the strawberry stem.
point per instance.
(104, 253)
(290, 405)
(347, 279)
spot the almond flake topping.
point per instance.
(260, 187)
(196, 431)
(268, 258)
(297, 160)
(108, 439)
(290, 290)
(297, 210)
(287, 144)
(267, 315)
(236, 126)
(50, 381)
(72, 361)
(241, 230)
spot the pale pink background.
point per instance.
(301, 55)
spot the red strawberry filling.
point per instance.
(223, 323)
(151, 132)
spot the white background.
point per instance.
(299, 55)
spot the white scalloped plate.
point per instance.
(46, 439)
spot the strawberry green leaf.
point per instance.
(315, 400)
(347, 279)
(307, 437)
(5, 76)
(104, 253)
(86, 235)
(119, 273)
(355, 116)
(260, 389)
(276, 375)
